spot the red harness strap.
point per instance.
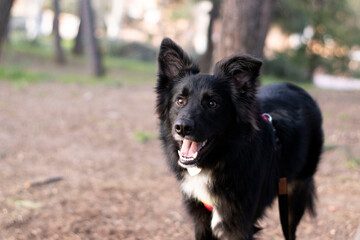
(208, 206)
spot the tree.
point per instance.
(60, 58)
(244, 26)
(92, 49)
(5, 8)
(207, 58)
(78, 48)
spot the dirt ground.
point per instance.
(117, 186)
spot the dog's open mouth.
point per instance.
(190, 152)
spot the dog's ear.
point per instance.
(242, 69)
(173, 63)
(243, 72)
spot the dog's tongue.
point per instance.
(189, 148)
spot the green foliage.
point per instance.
(344, 116)
(330, 147)
(16, 74)
(269, 79)
(39, 47)
(21, 58)
(132, 50)
(291, 15)
(333, 19)
(24, 203)
(143, 137)
(287, 66)
(334, 22)
(130, 65)
(181, 12)
(84, 79)
(353, 163)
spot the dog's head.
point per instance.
(198, 110)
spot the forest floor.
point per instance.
(102, 141)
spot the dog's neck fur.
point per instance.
(198, 186)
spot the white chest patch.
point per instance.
(198, 186)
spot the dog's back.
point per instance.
(297, 120)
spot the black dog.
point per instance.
(224, 152)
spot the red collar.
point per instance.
(208, 206)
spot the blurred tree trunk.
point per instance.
(92, 49)
(5, 8)
(59, 52)
(206, 59)
(78, 48)
(244, 26)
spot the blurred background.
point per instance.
(298, 40)
(79, 154)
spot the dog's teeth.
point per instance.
(204, 143)
(186, 158)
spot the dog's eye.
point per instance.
(180, 101)
(212, 104)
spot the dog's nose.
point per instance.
(184, 127)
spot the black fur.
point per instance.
(239, 156)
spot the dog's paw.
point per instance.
(218, 231)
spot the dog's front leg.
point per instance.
(217, 225)
(228, 225)
(202, 219)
